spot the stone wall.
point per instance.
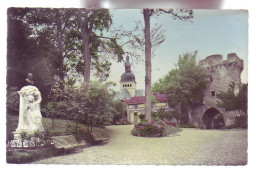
(221, 73)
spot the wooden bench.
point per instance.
(100, 137)
(67, 142)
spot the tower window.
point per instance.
(213, 93)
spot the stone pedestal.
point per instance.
(16, 135)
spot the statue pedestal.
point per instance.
(16, 135)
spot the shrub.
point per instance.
(12, 101)
(21, 157)
(149, 129)
(95, 107)
(120, 111)
(141, 116)
(241, 122)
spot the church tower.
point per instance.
(128, 79)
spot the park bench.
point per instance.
(100, 137)
(67, 142)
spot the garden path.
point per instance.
(190, 146)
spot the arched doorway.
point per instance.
(213, 119)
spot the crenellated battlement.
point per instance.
(216, 62)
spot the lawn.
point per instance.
(60, 127)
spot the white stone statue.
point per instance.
(30, 118)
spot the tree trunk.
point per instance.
(87, 62)
(148, 66)
(60, 45)
(86, 52)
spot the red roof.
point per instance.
(160, 97)
(135, 100)
(141, 99)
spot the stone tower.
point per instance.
(221, 73)
(128, 79)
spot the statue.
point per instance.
(30, 118)
(29, 80)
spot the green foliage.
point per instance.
(93, 108)
(159, 87)
(21, 157)
(231, 101)
(186, 126)
(12, 101)
(60, 127)
(120, 109)
(141, 116)
(154, 99)
(26, 54)
(241, 121)
(184, 83)
(168, 114)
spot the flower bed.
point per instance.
(150, 129)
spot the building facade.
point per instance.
(136, 106)
(135, 98)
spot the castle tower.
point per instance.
(221, 73)
(128, 79)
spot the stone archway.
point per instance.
(213, 119)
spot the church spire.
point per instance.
(127, 65)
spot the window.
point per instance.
(130, 85)
(213, 93)
(123, 85)
(135, 106)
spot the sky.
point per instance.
(211, 32)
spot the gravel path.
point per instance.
(188, 147)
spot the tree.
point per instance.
(188, 14)
(230, 100)
(184, 84)
(91, 21)
(120, 108)
(52, 26)
(59, 31)
(25, 54)
(96, 107)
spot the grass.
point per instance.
(186, 126)
(60, 127)
(28, 156)
(172, 130)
